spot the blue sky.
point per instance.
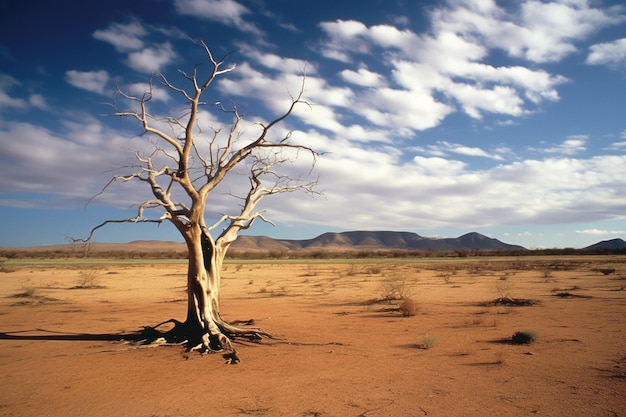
(440, 118)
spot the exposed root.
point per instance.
(233, 331)
(197, 340)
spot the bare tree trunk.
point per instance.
(204, 329)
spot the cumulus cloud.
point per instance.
(536, 31)
(363, 77)
(134, 40)
(125, 37)
(158, 92)
(610, 53)
(151, 59)
(94, 81)
(451, 60)
(430, 192)
(228, 12)
(572, 145)
(36, 159)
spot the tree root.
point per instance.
(196, 339)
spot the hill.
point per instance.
(612, 244)
(343, 241)
(376, 240)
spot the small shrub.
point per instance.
(27, 292)
(88, 279)
(395, 288)
(428, 341)
(524, 337)
(504, 288)
(408, 307)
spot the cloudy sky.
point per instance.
(437, 117)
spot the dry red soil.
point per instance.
(337, 352)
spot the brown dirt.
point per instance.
(340, 353)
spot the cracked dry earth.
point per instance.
(339, 351)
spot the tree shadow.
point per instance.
(146, 335)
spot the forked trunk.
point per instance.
(204, 329)
(204, 325)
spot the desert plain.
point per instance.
(341, 348)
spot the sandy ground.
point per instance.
(337, 353)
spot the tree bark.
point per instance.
(204, 329)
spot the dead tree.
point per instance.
(186, 164)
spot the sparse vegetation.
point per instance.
(524, 337)
(504, 288)
(27, 292)
(408, 307)
(88, 279)
(397, 288)
(576, 336)
(427, 342)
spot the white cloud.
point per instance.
(597, 232)
(275, 62)
(363, 77)
(94, 81)
(151, 59)
(619, 146)
(609, 53)
(159, 92)
(431, 192)
(125, 37)
(571, 146)
(228, 12)
(6, 102)
(450, 60)
(35, 159)
(537, 31)
(443, 148)
(345, 38)
(499, 99)
(38, 101)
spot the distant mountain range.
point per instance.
(612, 244)
(376, 240)
(343, 241)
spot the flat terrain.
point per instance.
(340, 350)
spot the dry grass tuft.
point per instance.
(408, 307)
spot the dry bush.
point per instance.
(27, 292)
(394, 288)
(408, 307)
(524, 337)
(428, 341)
(89, 279)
